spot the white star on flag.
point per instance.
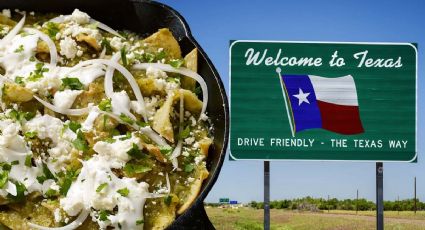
(302, 97)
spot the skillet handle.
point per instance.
(194, 218)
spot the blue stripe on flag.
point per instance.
(307, 114)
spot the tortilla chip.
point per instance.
(191, 62)
(195, 188)
(16, 93)
(161, 120)
(165, 39)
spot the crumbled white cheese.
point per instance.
(193, 121)
(68, 47)
(65, 99)
(155, 73)
(199, 159)
(82, 195)
(136, 107)
(78, 17)
(116, 152)
(57, 215)
(120, 102)
(79, 53)
(116, 43)
(189, 140)
(203, 117)
(6, 12)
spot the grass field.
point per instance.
(252, 219)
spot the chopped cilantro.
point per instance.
(145, 57)
(19, 116)
(20, 193)
(14, 162)
(131, 168)
(139, 222)
(20, 49)
(165, 149)
(142, 124)
(189, 168)
(167, 200)
(41, 179)
(80, 142)
(51, 193)
(28, 160)
(4, 176)
(126, 137)
(160, 55)
(105, 105)
(19, 80)
(30, 135)
(123, 191)
(47, 173)
(74, 126)
(126, 119)
(52, 29)
(106, 45)
(135, 152)
(67, 181)
(38, 72)
(6, 166)
(184, 133)
(124, 56)
(103, 215)
(177, 63)
(110, 140)
(101, 187)
(71, 83)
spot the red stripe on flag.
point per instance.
(341, 119)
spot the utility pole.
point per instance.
(357, 202)
(266, 195)
(379, 196)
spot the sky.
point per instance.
(215, 23)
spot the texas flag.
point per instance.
(320, 102)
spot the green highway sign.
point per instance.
(224, 200)
(323, 101)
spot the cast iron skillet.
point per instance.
(146, 17)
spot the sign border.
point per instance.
(233, 42)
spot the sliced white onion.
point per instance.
(52, 47)
(58, 19)
(182, 71)
(102, 26)
(73, 225)
(13, 32)
(12, 152)
(147, 130)
(109, 86)
(123, 71)
(108, 83)
(106, 28)
(103, 53)
(71, 112)
(155, 137)
(176, 153)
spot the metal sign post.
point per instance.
(266, 195)
(379, 196)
